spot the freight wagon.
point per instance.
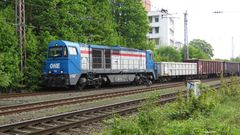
(207, 68)
(231, 68)
(166, 71)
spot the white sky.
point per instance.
(216, 29)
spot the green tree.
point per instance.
(9, 56)
(6, 3)
(79, 20)
(237, 59)
(32, 74)
(61, 18)
(132, 23)
(167, 53)
(4, 76)
(101, 25)
(203, 46)
(197, 53)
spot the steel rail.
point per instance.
(16, 95)
(6, 110)
(70, 120)
(67, 121)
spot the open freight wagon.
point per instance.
(231, 68)
(207, 68)
(166, 71)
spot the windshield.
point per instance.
(55, 52)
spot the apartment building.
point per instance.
(162, 29)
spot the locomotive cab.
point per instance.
(150, 64)
(150, 60)
(62, 67)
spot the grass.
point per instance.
(213, 113)
(224, 119)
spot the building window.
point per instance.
(171, 21)
(150, 31)
(171, 32)
(155, 40)
(150, 19)
(156, 29)
(156, 19)
(171, 42)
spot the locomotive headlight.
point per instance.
(61, 72)
(49, 72)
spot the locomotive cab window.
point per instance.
(55, 52)
(72, 50)
(65, 52)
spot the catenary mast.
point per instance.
(21, 32)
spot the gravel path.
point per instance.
(67, 108)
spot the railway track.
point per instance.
(6, 110)
(16, 95)
(68, 121)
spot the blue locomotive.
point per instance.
(78, 64)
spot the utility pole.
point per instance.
(232, 48)
(186, 51)
(20, 29)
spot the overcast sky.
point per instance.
(216, 29)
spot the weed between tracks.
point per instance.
(215, 112)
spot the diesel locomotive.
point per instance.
(79, 64)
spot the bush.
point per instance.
(203, 115)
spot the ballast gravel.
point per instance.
(49, 97)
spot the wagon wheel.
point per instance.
(136, 81)
(98, 84)
(139, 82)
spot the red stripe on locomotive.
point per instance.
(116, 54)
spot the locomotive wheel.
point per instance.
(81, 84)
(148, 82)
(80, 87)
(97, 86)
